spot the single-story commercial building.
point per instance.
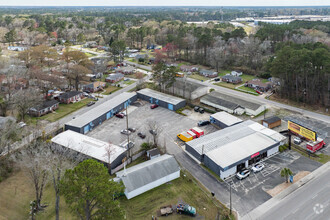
(44, 108)
(70, 97)
(231, 79)
(187, 89)
(224, 119)
(148, 175)
(232, 149)
(208, 73)
(164, 100)
(271, 122)
(114, 77)
(232, 104)
(94, 117)
(90, 148)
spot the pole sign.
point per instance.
(300, 130)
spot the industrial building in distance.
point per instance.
(234, 148)
(224, 119)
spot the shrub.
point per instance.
(283, 147)
(146, 146)
(211, 90)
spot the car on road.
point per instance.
(153, 132)
(154, 106)
(201, 110)
(257, 167)
(120, 115)
(125, 131)
(242, 174)
(141, 135)
(297, 140)
(203, 123)
(90, 103)
(217, 79)
(132, 129)
(196, 108)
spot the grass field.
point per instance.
(249, 90)
(111, 89)
(62, 111)
(198, 77)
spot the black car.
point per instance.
(196, 108)
(217, 79)
(90, 103)
(202, 123)
(141, 135)
(153, 132)
(131, 129)
(201, 110)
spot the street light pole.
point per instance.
(230, 199)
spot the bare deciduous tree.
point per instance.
(156, 130)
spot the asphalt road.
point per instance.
(312, 201)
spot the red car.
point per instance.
(154, 106)
(120, 115)
(259, 92)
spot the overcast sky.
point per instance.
(164, 3)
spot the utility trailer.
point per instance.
(313, 146)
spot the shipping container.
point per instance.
(199, 132)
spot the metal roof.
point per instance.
(150, 171)
(226, 118)
(100, 110)
(214, 101)
(161, 96)
(240, 149)
(87, 145)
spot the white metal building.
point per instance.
(90, 147)
(234, 148)
(224, 119)
(148, 175)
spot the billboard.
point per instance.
(300, 130)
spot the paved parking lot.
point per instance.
(140, 116)
(251, 192)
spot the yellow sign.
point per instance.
(298, 129)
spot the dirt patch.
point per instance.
(279, 188)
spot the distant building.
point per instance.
(148, 175)
(271, 122)
(15, 48)
(141, 56)
(95, 86)
(231, 79)
(44, 108)
(114, 77)
(186, 68)
(224, 119)
(70, 97)
(208, 73)
(126, 70)
(257, 84)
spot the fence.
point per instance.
(130, 160)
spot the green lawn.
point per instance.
(62, 111)
(198, 77)
(129, 82)
(248, 89)
(227, 85)
(111, 89)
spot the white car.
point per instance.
(125, 131)
(297, 140)
(242, 174)
(257, 167)
(21, 124)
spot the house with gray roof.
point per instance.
(148, 175)
(208, 73)
(231, 79)
(114, 77)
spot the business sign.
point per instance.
(254, 155)
(300, 130)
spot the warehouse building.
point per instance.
(271, 122)
(96, 116)
(90, 148)
(231, 104)
(224, 119)
(232, 149)
(164, 100)
(148, 175)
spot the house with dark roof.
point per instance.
(141, 56)
(44, 108)
(95, 86)
(114, 77)
(70, 97)
(208, 73)
(257, 84)
(231, 79)
(153, 153)
(125, 70)
(271, 122)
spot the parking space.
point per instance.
(140, 116)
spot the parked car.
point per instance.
(257, 167)
(131, 129)
(125, 131)
(90, 103)
(154, 106)
(120, 115)
(85, 94)
(185, 209)
(126, 79)
(259, 92)
(153, 132)
(297, 140)
(141, 135)
(21, 124)
(196, 108)
(202, 123)
(217, 79)
(242, 174)
(201, 110)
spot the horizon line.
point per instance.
(164, 6)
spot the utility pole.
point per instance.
(128, 146)
(230, 199)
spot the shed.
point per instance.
(90, 147)
(224, 119)
(148, 175)
(167, 101)
(271, 122)
(153, 153)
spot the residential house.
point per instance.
(95, 86)
(126, 70)
(44, 108)
(236, 73)
(231, 79)
(257, 84)
(70, 97)
(15, 48)
(208, 73)
(141, 56)
(186, 68)
(114, 77)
